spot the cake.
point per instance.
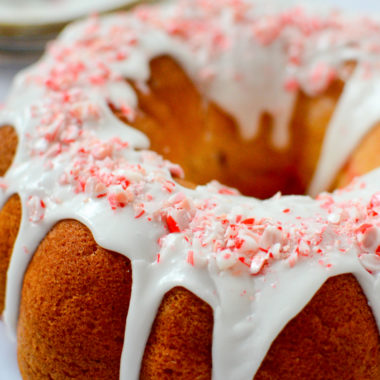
(260, 97)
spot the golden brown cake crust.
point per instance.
(74, 303)
(365, 158)
(254, 166)
(10, 217)
(8, 146)
(205, 140)
(179, 346)
(334, 337)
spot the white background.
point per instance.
(8, 366)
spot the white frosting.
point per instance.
(246, 258)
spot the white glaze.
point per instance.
(361, 97)
(59, 107)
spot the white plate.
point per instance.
(8, 362)
(39, 12)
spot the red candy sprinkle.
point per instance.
(172, 224)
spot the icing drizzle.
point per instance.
(244, 257)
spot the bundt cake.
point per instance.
(259, 97)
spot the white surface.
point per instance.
(37, 12)
(8, 361)
(7, 73)
(362, 6)
(6, 76)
